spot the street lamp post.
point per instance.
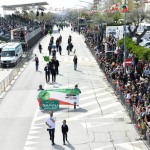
(124, 7)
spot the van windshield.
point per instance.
(8, 53)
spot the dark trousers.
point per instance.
(53, 77)
(75, 66)
(49, 52)
(57, 72)
(36, 67)
(59, 52)
(64, 136)
(47, 76)
(52, 134)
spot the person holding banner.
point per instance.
(76, 87)
(50, 122)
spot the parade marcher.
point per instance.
(57, 44)
(49, 49)
(76, 87)
(60, 39)
(36, 62)
(56, 65)
(71, 47)
(47, 73)
(50, 122)
(75, 60)
(51, 40)
(54, 53)
(40, 87)
(64, 129)
(53, 73)
(69, 39)
(40, 48)
(60, 49)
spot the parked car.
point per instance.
(145, 43)
(148, 46)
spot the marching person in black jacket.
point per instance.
(53, 69)
(64, 129)
(47, 73)
(56, 65)
(40, 48)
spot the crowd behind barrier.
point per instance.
(131, 85)
(13, 21)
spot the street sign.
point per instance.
(50, 105)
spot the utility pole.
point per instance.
(124, 7)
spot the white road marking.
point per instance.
(93, 96)
(128, 146)
(33, 131)
(92, 125)
(34, 127)
(30, 137)
(29, 148)
(102, 148)
(30, 143)
(86, 125)
(92, 112)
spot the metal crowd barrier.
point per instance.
(7, 81)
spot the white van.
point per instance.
(11, 54)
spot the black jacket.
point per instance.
(56, 63)
(64, 129)
(47, 69)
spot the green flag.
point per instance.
(46, 58)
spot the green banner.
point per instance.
(64, 96)
(45, 94)
(50, 105)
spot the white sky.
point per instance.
(52, 3)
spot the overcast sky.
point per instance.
(52, 3)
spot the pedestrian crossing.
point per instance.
(38, 124)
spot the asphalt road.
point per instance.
(101, 122)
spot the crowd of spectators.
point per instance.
(132, 85)
(13, 21)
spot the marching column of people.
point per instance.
(51, 70)
(52, 67)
